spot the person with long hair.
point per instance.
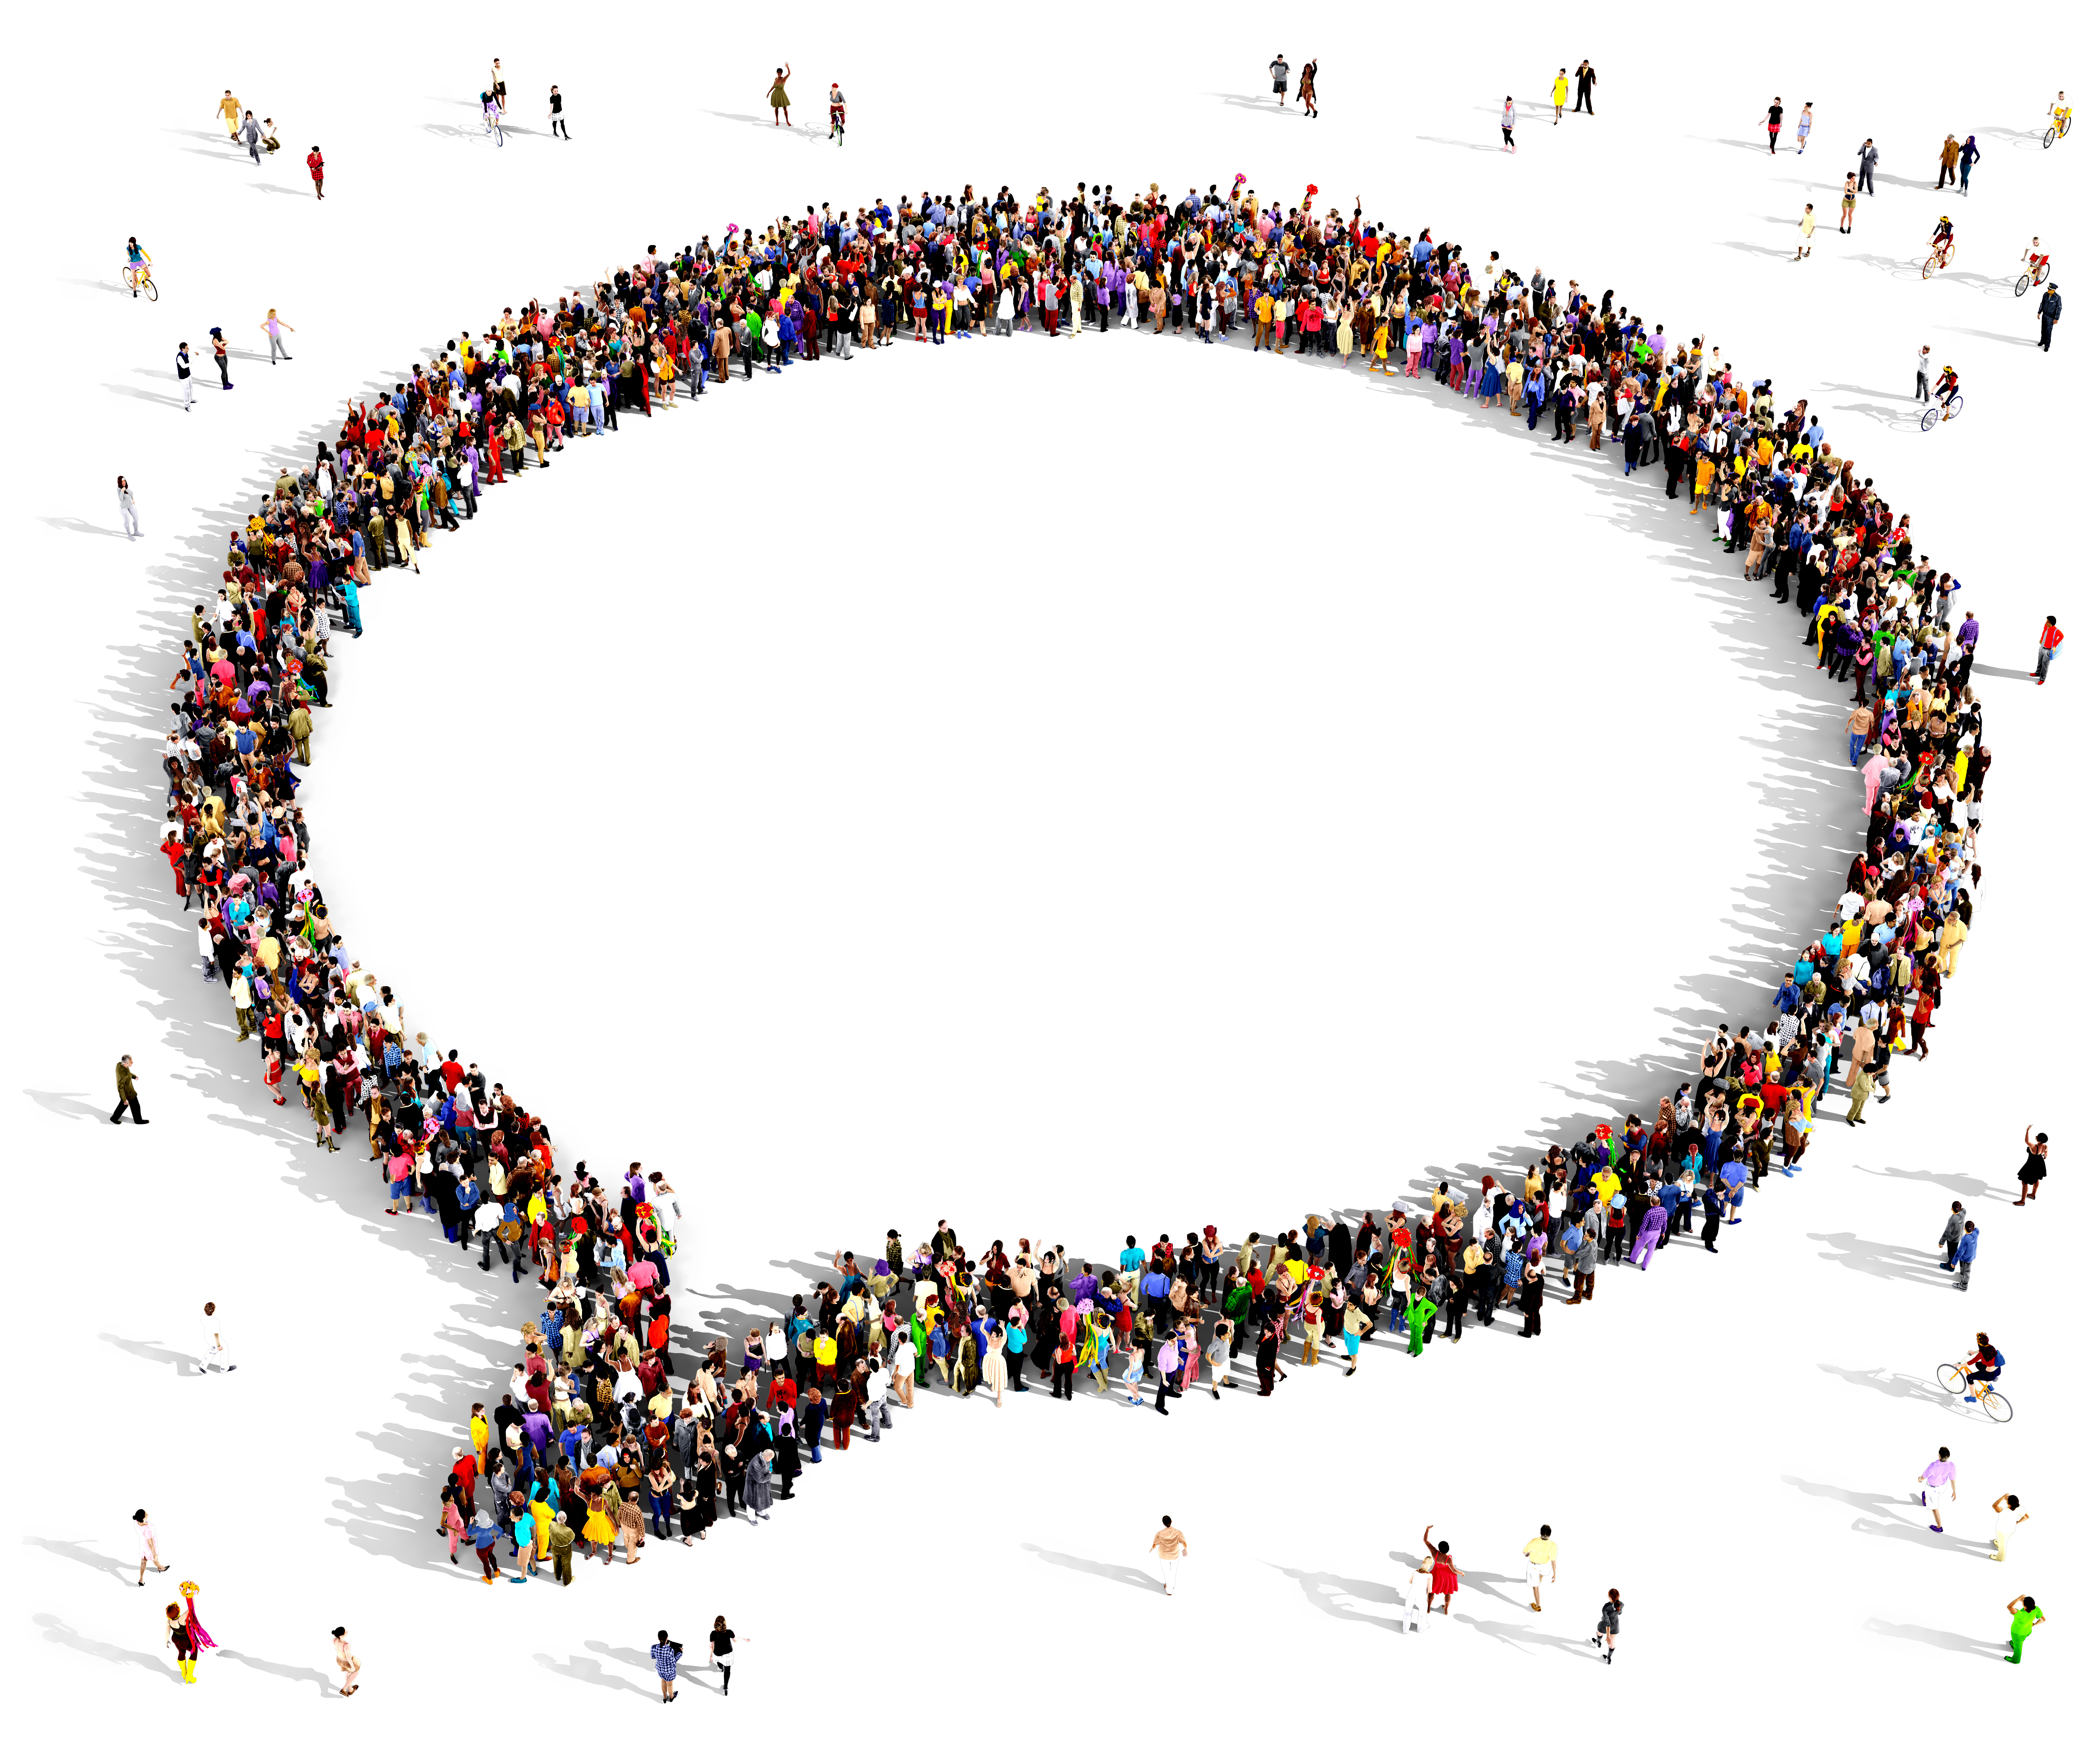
(721, 1651)
(1607, 1624)
(176, 1632)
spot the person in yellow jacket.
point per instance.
(1559, 94)
(477, 1429)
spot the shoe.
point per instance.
(1936, 1528)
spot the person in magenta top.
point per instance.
(1938, 1477)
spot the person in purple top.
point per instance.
(1938, 1477)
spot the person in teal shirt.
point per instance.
(2026, 1613)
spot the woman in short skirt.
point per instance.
(2036, 1169)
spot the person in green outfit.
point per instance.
(2026, 1613)
(562, 1542)
(777, 95)
(1421, 1309)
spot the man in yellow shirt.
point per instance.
(1542, 1557)
(229, 112)
(1264, 315)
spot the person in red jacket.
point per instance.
(2052, 635)
(314, 168)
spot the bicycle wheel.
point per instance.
(1953, 407)
(2049, 136)
(2064, 125)
(2020, 286)
(1949, 1376)
(152, 292)
(1928, 419)
(1995, 1407)
(1931, 266)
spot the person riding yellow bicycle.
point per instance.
(2059, 117)
(138, 266)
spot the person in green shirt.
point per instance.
(1421, 1309)
(2026, 1614)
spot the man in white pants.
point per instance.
(1413, 1605)
(214, 1340)
(1170, 1546)
(1542, 1557)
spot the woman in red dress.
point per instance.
(1443, 1577)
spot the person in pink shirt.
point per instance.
(1938, 1477)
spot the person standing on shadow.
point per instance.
(1870, 155)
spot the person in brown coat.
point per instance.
(127, 1094)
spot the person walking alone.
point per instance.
(2002, 1540)
(664, 1655)
(182, 374)
(1939, 1491)
(1279, 76)
(1607, 1624)
(347, 1664)
(177, 1634)
(1542, 1557)
(1169, 1545)
(556, 125)
(316, 167)
(2052, 640)
(2050, 313)
(1801, 129)
(1775, 118)
(149, 1548)
(2027, 1616)
(127, 507)
(722, 1649)
(214, 1342)
(1509, 124)
(1806, 246)
(2036, 1167)
(1560, 94)
(127, 1094)
(276, 330)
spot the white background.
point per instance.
(1085, 788)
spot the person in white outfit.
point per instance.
(1169, 1545)
(214, 1340)
(127, 507)
(1414, 1602)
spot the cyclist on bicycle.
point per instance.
(2036, 264)
(1948, 387)
(1943, 233)
(2059, 114)
(136, 263)
(1981, 1369)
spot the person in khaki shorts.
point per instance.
(229, 112)
(1542, 1557)
(2010, 1506)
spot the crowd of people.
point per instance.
(594, 1441)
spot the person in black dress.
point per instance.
(2036, 1169)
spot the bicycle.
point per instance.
(139, 278)
(1932, 415)
(2035, 272)
(2059, 124)
(1941, 253)
(1955, 1379)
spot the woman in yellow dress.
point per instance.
(1381, 339)
(598, 1526)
